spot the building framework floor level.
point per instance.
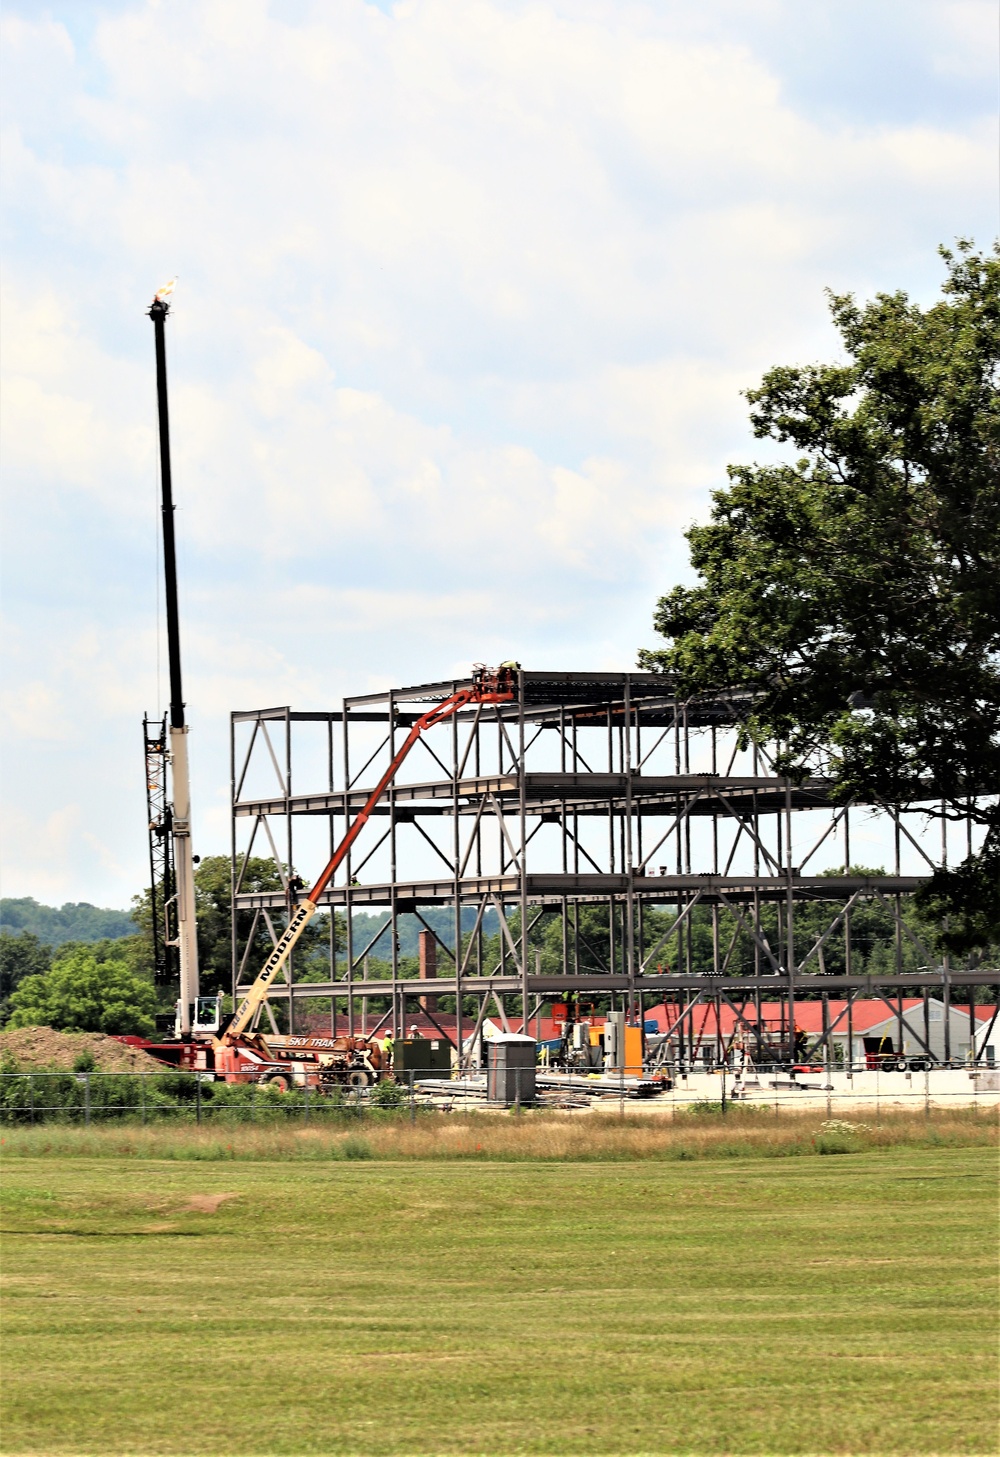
(673, 860)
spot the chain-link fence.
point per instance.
(91, 1097)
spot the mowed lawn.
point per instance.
(800, 1305)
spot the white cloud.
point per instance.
(467, 296)
(43, 853)
(69, 411)
(34, 710)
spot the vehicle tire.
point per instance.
(358, 1077)
(283, 1082)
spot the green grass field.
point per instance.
(784, 1305)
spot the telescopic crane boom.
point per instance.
(180, 810)
(488, 686)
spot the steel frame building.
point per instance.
(589, 789)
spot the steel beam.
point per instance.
(552, 888)
(572, 753)
(771, 987)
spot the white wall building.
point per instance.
(988, 1039)
(876, 1035)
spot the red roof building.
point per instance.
(871, 1022)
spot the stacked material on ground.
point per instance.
(41, 1048)
(568, 1090)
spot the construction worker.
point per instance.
(387, 1046)
(506, 673)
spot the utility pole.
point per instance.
(180, 779)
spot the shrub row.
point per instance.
(73, 1097)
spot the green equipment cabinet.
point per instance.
(424, 1057)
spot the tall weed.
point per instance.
(533, 1136)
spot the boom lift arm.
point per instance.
(488, 686)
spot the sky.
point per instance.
(467, 294)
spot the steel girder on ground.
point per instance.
(589, 791)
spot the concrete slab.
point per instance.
(936, 1088)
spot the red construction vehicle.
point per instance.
(242, 1053)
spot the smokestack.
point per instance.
(428, 968)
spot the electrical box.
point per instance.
(614, 1042)
(633, 1051)
(622, 1046)
(428, 1057)
(510, 1071)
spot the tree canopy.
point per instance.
(82, 992)
(855, 590)
(54, 925)
(21, 955)
(212, 892)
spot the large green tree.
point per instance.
(82, 992)
(21, 955)
(212, 898)
(853, 592)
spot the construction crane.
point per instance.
(238, 1044)
(161, 855)
(178, 903)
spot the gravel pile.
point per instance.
(42, 1048)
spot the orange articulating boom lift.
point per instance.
(240, 1051)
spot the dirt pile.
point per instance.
(42, 1048)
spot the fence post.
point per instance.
(86, 1099)
(197, 1096)
(878, 1097)
(142, 1094)
(413, 1105)
(31, 1096)
(723, 1090)
(305, 1118)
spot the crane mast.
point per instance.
(186, 939)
